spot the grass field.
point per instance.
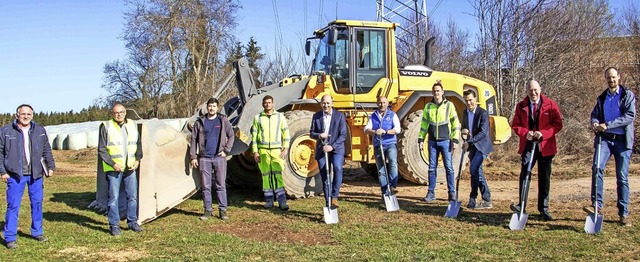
(365, 232)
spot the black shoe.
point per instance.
(206, 215)
(515, 208)
(546, 216)
(223, 215)
(430, 197)
(41, 238)
(12, 245)
(114, 230)
(452, 197)
(135, 227)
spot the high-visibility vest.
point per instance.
(115, 148)
(439, 122)
(269, 131)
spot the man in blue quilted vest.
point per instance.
(383, 126)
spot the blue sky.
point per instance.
(52, 52)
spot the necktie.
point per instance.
(534, 111)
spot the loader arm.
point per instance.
(282, 96)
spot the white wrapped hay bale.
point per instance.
(92, 138)
(52, 139)
(77, 141)
(62, 141)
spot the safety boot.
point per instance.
(282, 202)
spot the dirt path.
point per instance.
(502, 181)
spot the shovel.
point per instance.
(519, 219)
(390, 199)
(454, 205)
(330, 212)
(593, 223)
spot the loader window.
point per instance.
(334, 59)
(371, 59)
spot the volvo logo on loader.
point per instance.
(404, 72)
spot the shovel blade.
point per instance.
(593, 223)
(391, 203)
(330, 215)
(453, 209)
(518, 222)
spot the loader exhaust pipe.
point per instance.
(428, 52)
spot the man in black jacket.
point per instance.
(211, 142)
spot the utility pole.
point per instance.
(412, 28)
(411, 15)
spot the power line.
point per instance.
(435, 7)
(277, 22)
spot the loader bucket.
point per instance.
(165, 178)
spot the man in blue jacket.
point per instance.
(476, 120)
(384, 126)
(25, 155)
(329, 128)
(612, 120)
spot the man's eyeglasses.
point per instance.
(119, 113)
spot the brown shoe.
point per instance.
(624, 221)
(334, 202)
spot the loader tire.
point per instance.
(413, 164)
(370, 169)
(301, 174)
(243, 172)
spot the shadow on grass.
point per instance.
(81, 220)
(77, 200)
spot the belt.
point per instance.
(610, 136)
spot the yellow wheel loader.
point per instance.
(355, 62)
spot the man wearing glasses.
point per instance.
(120, 149)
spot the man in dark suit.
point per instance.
(329, 128)
(476, 121)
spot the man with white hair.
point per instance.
(537, 119)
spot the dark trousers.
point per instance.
(213, 169)
(544, 178)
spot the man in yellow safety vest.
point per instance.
(120, 148)
(270, 136)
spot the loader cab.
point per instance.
(355, 57)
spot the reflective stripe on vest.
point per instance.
(115, 149)
(271, 131)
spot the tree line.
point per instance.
(91, 113)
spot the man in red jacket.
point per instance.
(537, 118)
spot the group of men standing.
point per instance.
(25, 153)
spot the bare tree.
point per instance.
(177, 47)
(452, 48)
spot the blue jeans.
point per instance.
(15, 190)
(114, 179)
(441, 147)
(391, 155)
(477, 175)
(622, 155)
(336, 161)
